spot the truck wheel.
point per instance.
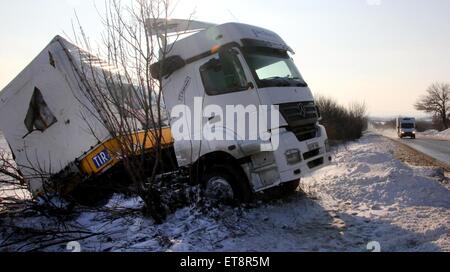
(91, 196)
(290, 187)
(226, 184)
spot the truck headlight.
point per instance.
(293, 156)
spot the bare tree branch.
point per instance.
(437, 102)
(123, 94)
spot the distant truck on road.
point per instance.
(406, 127)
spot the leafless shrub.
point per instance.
(12, 183)
(9, 174)
(15, 197)
(342, 124)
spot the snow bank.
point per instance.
(443, 135)
(368, 172)
(366, 195)
(408, 210)
(431, 132)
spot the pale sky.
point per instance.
(383, 52)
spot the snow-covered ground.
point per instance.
(366, 195)
(443, 135)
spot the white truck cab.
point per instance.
(242, 65)
(406, 127)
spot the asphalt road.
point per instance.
(437, 149)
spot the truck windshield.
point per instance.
(407, 125)
(273, 68)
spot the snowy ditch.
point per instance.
(365, 196)
(434, 134)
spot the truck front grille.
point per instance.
(316, 163)
(311, 154)
(301, 118)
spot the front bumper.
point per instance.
(313, 156)
(408, 134)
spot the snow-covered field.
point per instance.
(365, 196)
(443, 135)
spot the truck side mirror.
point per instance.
(167, 67)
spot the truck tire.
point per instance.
(91, 195)
(290, 187)
(226, 184)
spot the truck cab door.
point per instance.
(227, 83)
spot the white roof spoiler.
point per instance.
(176, 26)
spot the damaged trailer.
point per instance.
(51, 126)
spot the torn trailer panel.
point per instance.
(51, 124)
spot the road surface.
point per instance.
(434, 148)
(437, 149)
